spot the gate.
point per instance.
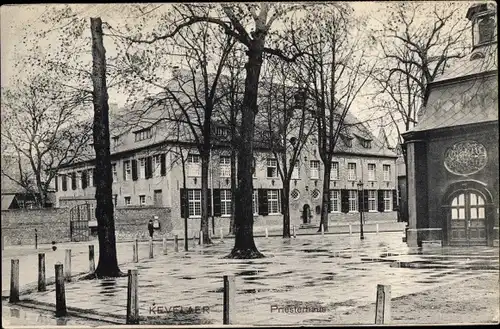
(79, 222)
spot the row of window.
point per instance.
(268, 201)
(314, 167)
(154, 166)
(143, 168)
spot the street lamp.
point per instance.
(360, 189)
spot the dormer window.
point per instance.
(367, 144)
(115, 141)
(300, 98)
(484, 29)
(143, 134)
(347, 140)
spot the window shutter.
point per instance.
(124, 170)
(57, 182)
(217, 205)
(394, 200)
(361, 206)
(93, 177)
(344, 195)
(365, 200)
(73, 180)
(330, 202)
(280, 200)
(134, 169)
(184, 201)
(84, 179)
(163, 165)
(381, 200)
(149, 167)
(263, 207)
(64, 182)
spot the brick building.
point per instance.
(147, 172)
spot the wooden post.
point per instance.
(350, 229)
(383, 304)
(67, 265)
(150, 244)
(221, 234)
(91, 259)
(201, 238)
(267, 233)
(36, 239)
(164, 246)
(377, 228)
(135, 251)
(176, 243)
(60, 293)
(41, 272)
(132, 298)
(14, 281)
(229, 293)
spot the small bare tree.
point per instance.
(44, 127)
(287, 124)
(332, 74)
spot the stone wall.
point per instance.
(53, 224)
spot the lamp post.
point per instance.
(360, 188)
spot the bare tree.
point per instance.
(418, 42)
(192, 91)
(42, 125)
(288, 123)
(332, 73)
(232, 19)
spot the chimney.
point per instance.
(483, 18)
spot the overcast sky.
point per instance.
(20, 20)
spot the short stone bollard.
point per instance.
(14, 281)
(164, 246)
(221, 234)
(383, 304)
(201, 238)
(91, 259)
(377, 228)
(350, 229)
(293, 229)
(267, 233)
(150, 247)
(135, 251)
(322, 229)
(229, 293)
(194, 240)
(41, 272)
(176, 243)
(67, 265)
(60, 292)
(132, 298)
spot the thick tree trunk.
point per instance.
(244, 244)
(108, 263)
(325, 199)
(205, 158)
(233, 190)
(285, 204)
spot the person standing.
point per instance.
(150, 228)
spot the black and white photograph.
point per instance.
(245, 164)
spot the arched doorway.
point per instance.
(468, 218)
(306, 214)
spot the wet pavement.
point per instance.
(318, 274)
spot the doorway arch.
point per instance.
(306, 214)
(468, 215)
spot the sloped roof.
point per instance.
(7, 200)
(464, 102)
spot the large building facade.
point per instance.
(148, 172)
(453, 151)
